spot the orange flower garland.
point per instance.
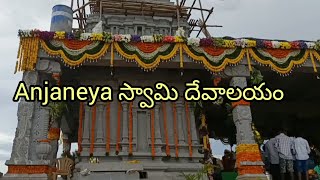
(189, 129)
(148, 47)
(94, 110)
(80, 127)
(74, 44)
(54, 133)
(164, 109)
(153, 153)
(249, 153)
(108, 128)
(130, 128)
(241, 102)
(119, 128)
(175, 130)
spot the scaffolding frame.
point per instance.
(176, 10)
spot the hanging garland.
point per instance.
(249, 160)
(153, 152)
(163, 52)
(164, 110)
(119, 128)
(94, 111)
(280, 60)
(108, 128)
(27, 54)
(189, 128)
(80, 129)
(72, 56)
(130, 128)
(215, 59)
(176, 142)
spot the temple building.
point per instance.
(143, 43)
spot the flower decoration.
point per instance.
(45, 35)
(158, 38)
(169, 39)
(59, 35)
(97, 36)
(135, 38)
(178, 39)
(311, 45)
(268, 44)
(259, 43)
(206, 42)
(295, 45)
(180, 32)
(85, 36)
(275, 44)
(229, 44)
(285, 45)
(148, 39)
(107, 37)
(193, 42)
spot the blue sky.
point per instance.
(269, 19)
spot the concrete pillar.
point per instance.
(31, 148)
(245, 139)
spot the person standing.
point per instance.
(285, 146)
(273, 157)
(302, 151)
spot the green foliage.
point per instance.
(57, 109)
(197, 176)
(256, 77)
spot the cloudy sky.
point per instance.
(270, 19)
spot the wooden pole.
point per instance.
(100, 10)
(178, 13)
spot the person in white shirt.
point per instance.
(302, 151)
(273, 157)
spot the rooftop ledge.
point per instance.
(215, 54)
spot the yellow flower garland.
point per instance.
(27, 54)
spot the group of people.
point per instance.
(289, 155)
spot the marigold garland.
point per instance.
(249, 153)
(108, 128)
(175, 130)
(80, 129)
(119, 128)
(27, 54)
(153, 152)
(241, 102)
(130, 127)
(54, 133)
(189, 128)
(164, 110)
(94, 114)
